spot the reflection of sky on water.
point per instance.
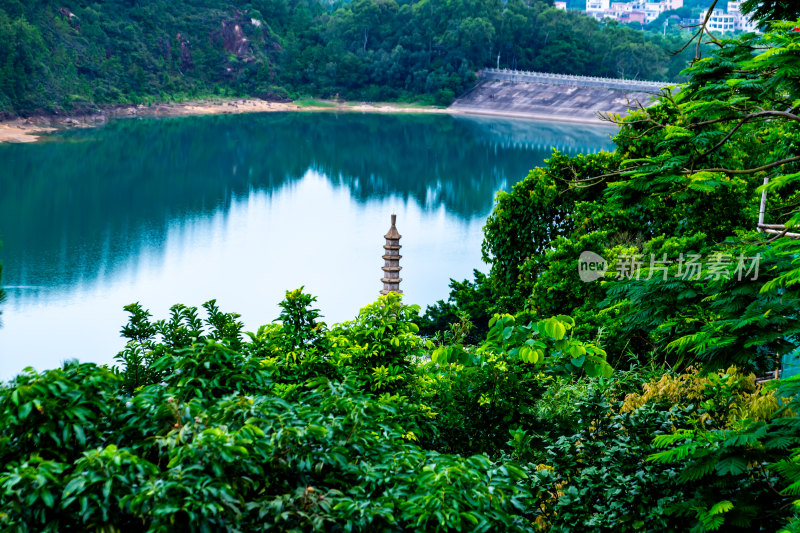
(128, 216)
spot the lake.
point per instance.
(241, 208)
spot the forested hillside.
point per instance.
(74, 55)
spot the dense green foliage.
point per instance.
(769, 10)
(686, 280)
(685, 180)
(361, 427)
(62, 56)
(294, 426)
(468, 302)
(204, 429)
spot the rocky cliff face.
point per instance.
(186, 54)
(235, 42)
(237, 35)
(113, 50)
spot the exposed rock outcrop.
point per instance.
(235, 42)
(186, 53)
(71, 18)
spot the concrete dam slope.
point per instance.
(552, 96)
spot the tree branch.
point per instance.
(745, 171)
(749, 117)
(699, 34)
(725, 139)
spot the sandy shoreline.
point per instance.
(30, 129)
(18, 131)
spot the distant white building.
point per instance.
(622, 7)
(742, 21)
(653, 8)
(596, 8)
(721, 22)
(732, 20)
(672, 4)
(644, 11)
(560, 5)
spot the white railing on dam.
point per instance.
(567, 79)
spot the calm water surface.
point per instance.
(242, 208)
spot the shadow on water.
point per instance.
(71, 208)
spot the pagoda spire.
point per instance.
(391, 261)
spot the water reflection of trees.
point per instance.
(91, 197)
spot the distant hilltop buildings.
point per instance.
(646, 11)
(733, 20)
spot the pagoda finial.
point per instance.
(391, 260)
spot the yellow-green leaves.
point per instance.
(677, 132)
(553, 329)
(530, 354)
(545, 342)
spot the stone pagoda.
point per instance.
(391, 268)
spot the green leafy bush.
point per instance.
(380, 345)
(227, 441)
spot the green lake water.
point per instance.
(241, 208)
